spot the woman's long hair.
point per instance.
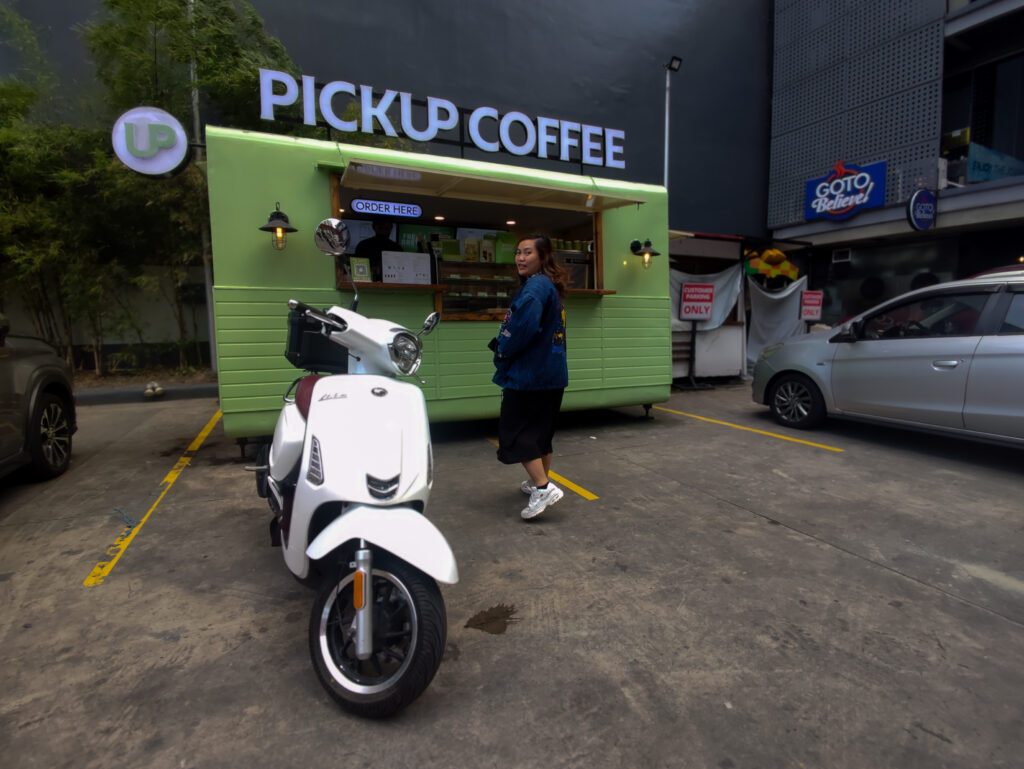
(558, 274)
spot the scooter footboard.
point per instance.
(399, 530)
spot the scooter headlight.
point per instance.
(406, 352)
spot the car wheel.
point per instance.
(796, 402)
(49, 437)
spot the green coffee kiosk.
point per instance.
(455, 224)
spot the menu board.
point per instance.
(404, 267)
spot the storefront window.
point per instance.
(871, 276)
(461, 249)
(983, 122)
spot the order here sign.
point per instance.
(697, 300)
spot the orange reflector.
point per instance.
(357, 590)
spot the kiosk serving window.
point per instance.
(463, 235)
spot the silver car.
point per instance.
(948, 358)
(37, 406)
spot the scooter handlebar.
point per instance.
(317, 315)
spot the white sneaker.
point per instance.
(541, 499)
(527, 486)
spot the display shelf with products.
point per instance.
(476, 290)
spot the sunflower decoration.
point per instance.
(770, 263)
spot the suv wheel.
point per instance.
(49, 437)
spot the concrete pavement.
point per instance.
(732, 598)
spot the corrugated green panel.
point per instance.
(249, 424)
(267, 349)
(251, 363)
(275, 322)
(244, 391)
(458, 356)
(455, 334)
(481, 368)
(252, 336)
(227, 378)
(453, 391)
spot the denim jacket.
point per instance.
(529, 351)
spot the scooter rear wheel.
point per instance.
(410, 629)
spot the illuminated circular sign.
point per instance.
(150, 141)
(921, 209)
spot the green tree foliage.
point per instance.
(155, 51)
(33, 81)
(76, 227)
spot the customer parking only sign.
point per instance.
(846, 190)
(697, 301)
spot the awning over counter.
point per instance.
(461, 180)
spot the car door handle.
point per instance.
(945, 363)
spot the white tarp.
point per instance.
(774, 317)
(727, 289)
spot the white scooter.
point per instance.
(348, 476)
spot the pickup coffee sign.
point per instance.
(490, 131)
(846, 190)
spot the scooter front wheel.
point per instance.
(410, 628)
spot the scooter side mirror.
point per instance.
(430, 323)
(332, 237)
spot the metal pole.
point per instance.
(204, 226)
(668, 85)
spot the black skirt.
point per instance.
(527, 424)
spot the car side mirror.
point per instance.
(849, 333)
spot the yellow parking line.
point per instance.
(588, 495)
(116, 550)
(750, 429)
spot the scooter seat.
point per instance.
(304, 393)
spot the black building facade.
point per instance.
(598, 62)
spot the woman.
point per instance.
(529, 355)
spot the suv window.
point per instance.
(1013, 323)
(930, 316)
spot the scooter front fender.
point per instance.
(399, 530)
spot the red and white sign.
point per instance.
(810, 305)
(697, 301)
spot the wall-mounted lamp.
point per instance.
(278, 227)
(645, 251)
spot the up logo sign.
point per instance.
(150, 141)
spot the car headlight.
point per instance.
(406, 352)
(769, 351)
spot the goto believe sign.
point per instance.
(150, 141)
(810, 305)
(846, 190)
(384, 208)
(697, 301)
(921, 209)
(515, 132)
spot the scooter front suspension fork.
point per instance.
(362, 600)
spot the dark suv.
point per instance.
(37, 406)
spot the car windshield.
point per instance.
(933, 315)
